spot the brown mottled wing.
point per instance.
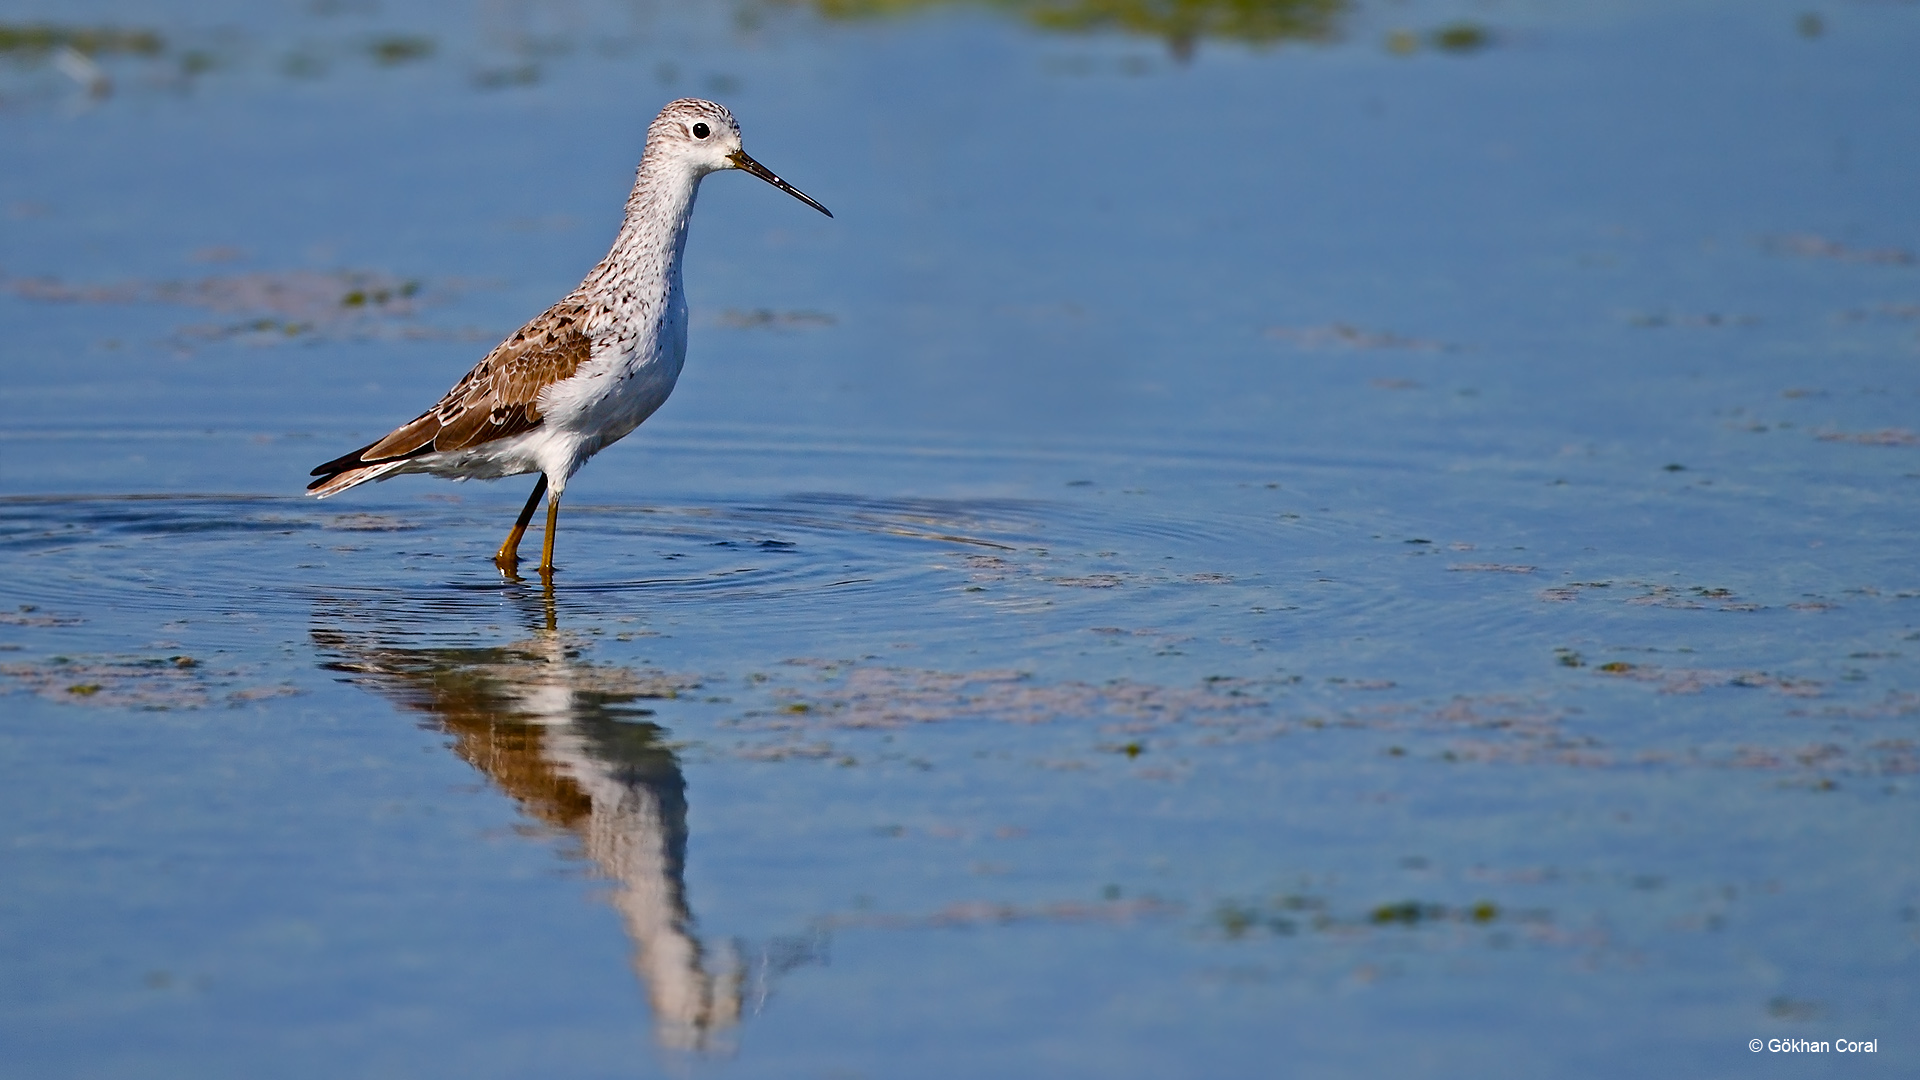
(501, 395)
(499, 398)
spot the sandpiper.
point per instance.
(594, 365)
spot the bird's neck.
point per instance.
(641, 273)
(645, 260)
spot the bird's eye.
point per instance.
(701, 131)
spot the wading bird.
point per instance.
(594, 365)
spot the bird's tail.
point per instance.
(377, 459)
(349, 470)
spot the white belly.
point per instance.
(614, 392)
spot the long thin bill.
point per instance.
(742, 161)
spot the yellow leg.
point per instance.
(508, 557)
(553, 522)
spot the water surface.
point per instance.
(1297, 537)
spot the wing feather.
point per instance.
(498, 399)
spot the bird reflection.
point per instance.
(566, 740)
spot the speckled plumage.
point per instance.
(592, 367)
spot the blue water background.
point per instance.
(1306, 558)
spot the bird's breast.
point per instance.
(633, 369)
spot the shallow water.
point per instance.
(1374, 538)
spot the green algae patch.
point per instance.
(38, 39)
(1292, 915)
(266, 307)
(1179, 23)
(1461, 37)
(1413, 913)
(400, 49)
(1405, 913)
(145, 683)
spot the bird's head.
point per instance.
(705, 136)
